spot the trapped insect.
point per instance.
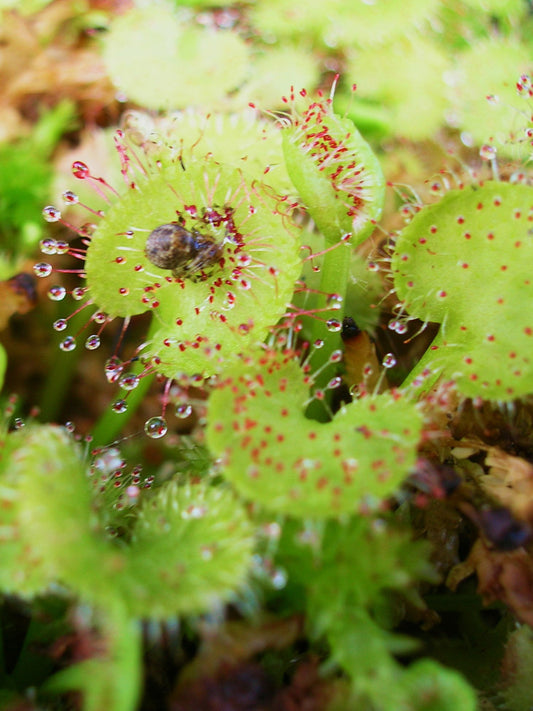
(186, 252)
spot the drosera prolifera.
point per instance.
(256, 414)
(236, 247)
(465, 262)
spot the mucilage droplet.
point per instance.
(186, 253)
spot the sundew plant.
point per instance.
(279, 455)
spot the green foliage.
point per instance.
(493, 67)
(335, 172)
(341, 22)
(169, 565)
(415, 68)
(355, 584)
(256, 413)
(25, 181)
(155, 59)
(249, 188)
(518, 670)
(464, 263)
(362, 563)
(198, 321)
(110, 679)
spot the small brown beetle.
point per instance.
(186, 253)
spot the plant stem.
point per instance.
(335, 272)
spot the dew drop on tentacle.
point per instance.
(334, 325)
(70, 198)
(51, 213)
(78, 293)
(57, 293)
(119, 406)
(183, 411)
(80, 170)
(334, 383)
(62, 247)
(156, 427)
(60, 324)
(42, 269)
(334, 302)
(92, 342)
(68, 344)
(113, 368)
(129, 381)
(389, 360)
(336, 356)
(99, 317)
(48, 246)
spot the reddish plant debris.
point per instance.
(503, 576)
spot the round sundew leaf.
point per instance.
(492, 68)
(290, 18)
(205, 538)
(224, 310)
(190, 546)
(341, 22)
(501, 8)
(241, 140)
(53, 512)
(380, 21)
(275, 69)
(275, 456)
(259, 242)
(335, 172)
(465, 262)
(415, 67)
(156, 59)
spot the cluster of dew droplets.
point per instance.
(116, 372)
(310, 375)
(109, 470)
(115, 369)
(176, 392)
(333, 301)
(524, 88)
(57, 292)
(8, 416)
(263, 563)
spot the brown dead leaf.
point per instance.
(237, 642)
(44, 58)
(17, 295)
(503, 576)
(510, 480)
